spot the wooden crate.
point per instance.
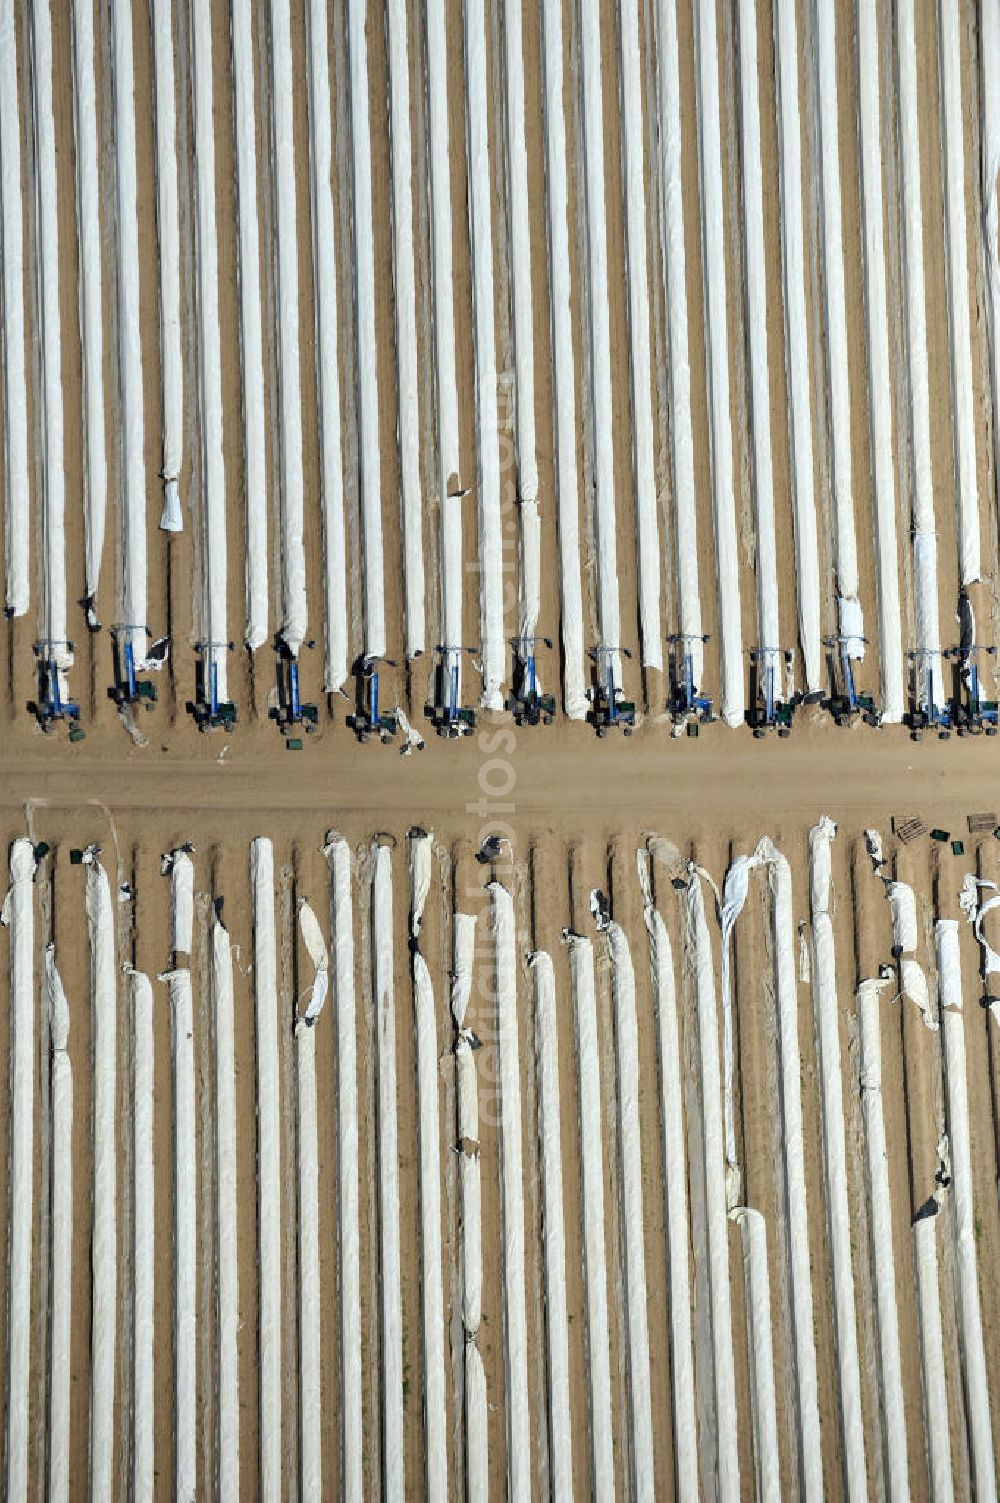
(908, 827)
(982, 824)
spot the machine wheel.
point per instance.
(944, 735)
(991, 730)
(784, 732)
(627, 730)
(758, 734)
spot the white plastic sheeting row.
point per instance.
(563, 368)
(390, 1269)
(61, 1211)
(925, 1259)
(17, 532)
(227, 1284)
(268, 1161)
(989, 126)
(104, 1264)
(310, 1368)
(179, 867)
(185, 1394)
(763, 1406)
(167, 223)
(143, 1238)
(905, 938)
(91, 302)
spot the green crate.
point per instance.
(943, 835)
(294, 743)
(958, 848)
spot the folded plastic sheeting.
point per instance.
(15, 414)
(734, 896)
(227, 1300)
(53, 611)
(879, 373)
(563, 370)
(599, 337)
(180, 868)
(824, 989)
(463, 950)
(100, 923)
(370, 462)
(953, 111)
(989, 49)
(627, 1039)
(185, 1394)
(838, 371)
(512, 1186)
(633, 166)
(717, 352)
(679, 372)
(976, 1387)
(491, 560)
(338, 856)
(797, 337)
(763, 1406)
(251, 336)
(91, 303)
(581, 956)
(712, 1169)
(268, 1160)
(130, 423)
(408, 432)
(167, 221)
(935, 1383)
(924, 539)
(550, 1143)
(390, 1271)
(756, 320)
(315, 944)
(294, 617)
(61, 1276)
(675, 1186)
(905, 939)
(880, 1232)
(446, 380)
(213, 475)
(18, 917)
(143, 1238)
(310, 1369)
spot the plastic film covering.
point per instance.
(143, 1238)
(717, 352)
(520, 251)
(294, 617)
(491, 563)
(581, 956)
(91, 303)
(312, 937)
(880, 1233)
(989, 117)
(675, 1185)
(925, 1262)
(879, 373)
(390, 1270)
(338, 857)
(130, 422)
(227, 1299)
(251, 336)
(734, 896)
(100, 924)
(627, 1039)
(435, 1387)
(905, 938)
(467, 1087)
(825, 1005)
(763, 1406)
(633, 165)
(180, 867)
(167, 223)
(265, 983)
(476, 1427)
(15, 417)
(931, 685)
(310, 1369)
(411, 500)
(563, 369)
(699, 960)
(185, 1395)
(61, 1211)
(599, 337)
(421, 845)
(550, 1143)
(797, 337)
(977, 1392)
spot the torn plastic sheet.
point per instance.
(797, 340)
(476, 1426)
(550, 1145)
(463, 955)
(563, 368)
(717, 353)
(879, 372)
(61, 1220)
(294, 615)
(838, 1220)
(935, 1385)
(405, 303)
(675, 1186)
(491, 564)
(310, 1364)
(734, 895)
(265, 987)
(412, 740)
(605, 542)
(432, 1303)
(581, 958)
(88, 192)
(971, 1342)
(633, 173)
(143, 1238)
(880, 1237)
(338, 855)
(168, 239)
(15, 389)
(678, 369)
(103, 994)
(421, 844)
(180, 868)
(185, 1394)
(312, 938)
(763, 1406)
(257, 495)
